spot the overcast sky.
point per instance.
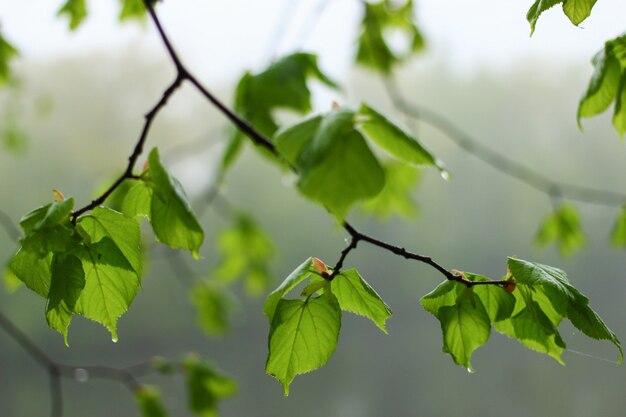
(219, 37)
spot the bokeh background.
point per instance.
(80, 107)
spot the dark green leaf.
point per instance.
(206, 386)
(379, 21)
(355, 295)
(171, 216)
(110, 284)
(303, 336)
(68, 281)
(562, 227)
(123, 231)
(150, 401)
(76, 11)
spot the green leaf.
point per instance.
(7, 53)
(33, 270)
(171, 216)
(206, 386)
(123, 231)
(150, 401)
(443, 296)
(576, 10)
(498, 303)
(111, 284)
(303, 336)
(602, 88)
(395, 197)
(355, 295)
(619, 116)
(132, 9)
(618, 235)
(302, 272)
(138, 200)
(47, 216)
(213, 307)
(380, 20)
(291, 141)
(68, 281)
(560, 293)
(465, 326)
(13, 137)
(76, 11)
(562, 227)
(392, 139)
(245, 250)
(11, 282)
(284, 85)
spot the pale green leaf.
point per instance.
(76, 11)
(206, 386)
(302, 272)
(111, 284)
(138, 200)
(603, 86)
(619, 115)
(392, 139)
(68, 281)
(498, 303)
(150, 401)
(303, 336)
(213, 306)
(355, 295)
(465, 326)
(396, 196)
(563, 228)
(171, 216)
(618, 234)
(123, 231)
(7, 53)
(32, 270)
(132, 9)
(576, 10)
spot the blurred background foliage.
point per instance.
(78, 117)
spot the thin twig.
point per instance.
(499, 161)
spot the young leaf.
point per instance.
(576, 10)
(123, 231)
(355, 295)
(110, 284)
(132, 9)
(618, 235)
(213, 307)
(171, 216)
(284, 85)
(602, 88)
(562, 227)
(246, 250)
(7, 53)
(395, 197)
(392, 139)
(559, 292)
(465, 326)
(76, 11)
(619, 115)
(206, 386)
(498, 304)
(32, 270)
(150, 401)
(374, 49)
(68, 281)
(137, 200)
(298, 275)
(303, 336)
